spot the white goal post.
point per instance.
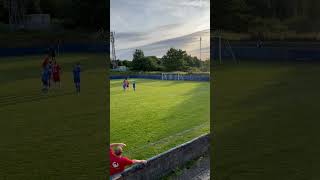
(221, 42)
(172, 76)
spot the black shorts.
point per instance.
(76, 80)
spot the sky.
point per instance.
(157, 25)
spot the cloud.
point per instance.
(157, 25)
(189, 43)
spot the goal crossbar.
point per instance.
(172, 76)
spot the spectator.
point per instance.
(119, 162)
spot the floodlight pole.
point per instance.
(114, 58)
(220, 58)
(200, 48)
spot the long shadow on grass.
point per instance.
(268, 134)
(31, 97)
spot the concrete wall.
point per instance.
(193, 77)
(164, 163)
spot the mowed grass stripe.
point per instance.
(265, 121)
(156, 111)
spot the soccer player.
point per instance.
(45, 78)
(45, 62)
(119, 162)
(56, 73)
(76, 76)
(49, 73)
(134, 85)
(128, 85)
(124, 85)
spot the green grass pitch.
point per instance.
(266, 121)
(58, 135)
(158, 116)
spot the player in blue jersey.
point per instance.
(76, 76)
(50, 73)
(124, 85)
(134, 85)
(45, 78)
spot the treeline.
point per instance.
(85, 14)
(173, 60)
(267, 15)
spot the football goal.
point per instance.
(172, 76)
(222, 48)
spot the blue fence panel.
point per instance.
(64, 48)
(22, 51)
(159, 77)
(283, 53)
(304, 54)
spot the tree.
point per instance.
(127, 63)
(89, 14)
(137, 60)
(4, 14)
(33, 7)
(142, 63)
(150, 63)
(119, 63)
(192, 61)
(174, 60)
(247, 15)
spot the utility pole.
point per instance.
(113, 50)
(200, 48)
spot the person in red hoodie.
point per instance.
(56, 73)
(118, 162)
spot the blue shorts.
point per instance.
(44, 82)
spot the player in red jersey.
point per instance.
(45, 62)
(119, 162)
(56, 73)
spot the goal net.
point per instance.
(172, 76)
(222, 48)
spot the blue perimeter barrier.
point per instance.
(63, 48)
(158, 77)
(270, 52)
